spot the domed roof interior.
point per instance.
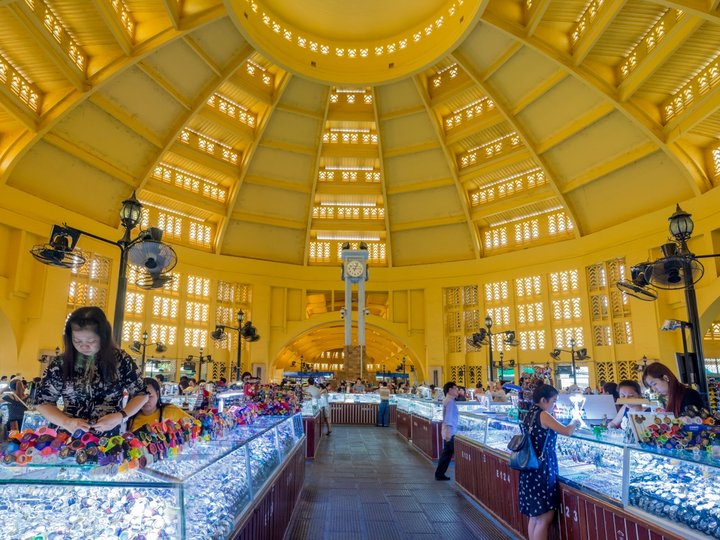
(432, 130)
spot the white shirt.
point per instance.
(313, 391)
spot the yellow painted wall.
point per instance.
(33, 296)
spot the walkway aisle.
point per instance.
(367, 483)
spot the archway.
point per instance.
(383, 348)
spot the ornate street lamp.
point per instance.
(485, 337)
(576, 355)
(245, 331)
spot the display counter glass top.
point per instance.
(338, 397)
(169, 499)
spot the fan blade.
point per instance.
(645, 294)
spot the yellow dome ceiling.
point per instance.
(528, 123)
(351, 41)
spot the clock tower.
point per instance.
(354, 272)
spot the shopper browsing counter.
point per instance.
(90, 376)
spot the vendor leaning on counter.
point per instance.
(90, 376)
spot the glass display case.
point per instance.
(338, 397)
(226, 399)
(187, 402)
(310, 407)
(170, 499)
(684, 491)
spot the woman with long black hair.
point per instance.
(91, 376)
(658, 378)
(539, 492)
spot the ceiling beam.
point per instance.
(660, 54)
(595, 28)
(612, 165)
(205, 57)
(576, 126)
(122, 116)
(71, 148)
(49, 45)
(234, 126)
(109, 17)
(502, 59)
(537, 12)
(423, 185)
(705, 9)
(417, 148)
(174, 12)
(468, 128)
(528, 150)
(203, 158)
(17, 109)
(517, 155)
(702, 107)
(166, 85)
(264, 219)
(539, 91)
(184, 196)
(428, 223)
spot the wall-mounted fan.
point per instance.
(249, 332)
(639, 284)
(147, 280)
(154, 258)
(60, 250)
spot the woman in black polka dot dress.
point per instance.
(539, 491)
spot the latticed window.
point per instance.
(527, 231)
(623, 332)
(89, 286)
(453, 296)
(131, 331)
(496, 238)
(602, 335)
(559, 223)
(454, 321)
(195, 337)
(84, 294)
(532, 340)
(170, 224)
(566, 309)
(596, 277)
(166, 308)
(233, 293)
(496, 292)
(620, 304)
(470, 295)
(564, 335)
(713, 332)
(500, 315)
(528, 286)
(599, 307)
(530, 313)
(196, 312)
(198, 286)
(454, 344)
(134, 303)
(163, 333)
(200, 234)
(319, 251)
(565, 281)
(471, 321)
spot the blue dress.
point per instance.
(539, 490)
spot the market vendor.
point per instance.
(154, 410)
(626, 390)
(658, 378)
(90, 376)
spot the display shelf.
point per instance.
(605, 483)
(313, 433)
(170, 499)
(358, 409)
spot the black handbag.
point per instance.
(523, 457)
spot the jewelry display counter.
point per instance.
(211, 490)
(608, 489)
(358, 409)
(312, 425)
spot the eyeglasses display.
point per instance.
(175, 498)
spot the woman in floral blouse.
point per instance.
(91, 376)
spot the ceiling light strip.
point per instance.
(232, 109)
(124, 16)
(171, 211)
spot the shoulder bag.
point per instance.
(523, 457)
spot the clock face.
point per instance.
(354, 268)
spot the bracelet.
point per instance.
(123, 413)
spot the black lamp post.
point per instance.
(576, 355)
(142, 347)
(201, 360)
(161, 258)
(484, 337)
(679, 268)
(246, 331)
(510, 363)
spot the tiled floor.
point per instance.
(368, 483)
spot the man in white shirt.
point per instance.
(312, 390)
(359, 387)
(449, 427)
